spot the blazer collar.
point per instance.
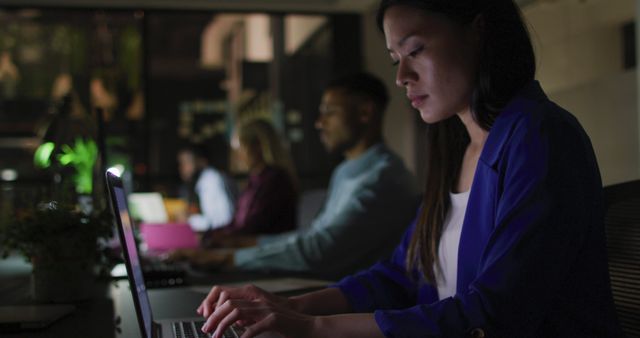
(529, 96)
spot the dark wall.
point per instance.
(333, 51)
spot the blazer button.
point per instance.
(477, 333)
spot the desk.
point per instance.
(110, 312)
(92, 318)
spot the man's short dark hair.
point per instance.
(365, 86)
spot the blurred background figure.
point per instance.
(371, 195)
(104, 97)
(269, 202)
(210, 193)
(67, 118)
(9, 76)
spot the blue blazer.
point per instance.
(531, 260)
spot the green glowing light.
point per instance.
(42, 157)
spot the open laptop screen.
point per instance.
(127, 239)
(148, 207)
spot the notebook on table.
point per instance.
(168, 236)
(149, 328)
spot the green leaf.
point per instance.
(42, 157)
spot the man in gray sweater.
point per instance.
(371, 198)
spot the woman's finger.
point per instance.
(219, 294)
(223, 297)
(220, 313)
(268, 323)
(242, 311)
(205, 308)
(229, 319)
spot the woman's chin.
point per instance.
(428, 117)
(431, 117)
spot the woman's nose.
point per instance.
(404, 74)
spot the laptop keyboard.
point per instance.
(192, 330)
(162, 275)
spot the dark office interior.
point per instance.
(129, 84)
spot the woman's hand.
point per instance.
(220, 294)
(255, 309)
(257, 317)
(258, 311)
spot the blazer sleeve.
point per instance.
(547, 205)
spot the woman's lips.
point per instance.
(417, 100)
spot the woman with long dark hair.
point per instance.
(509, 241)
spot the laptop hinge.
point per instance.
(156, 330)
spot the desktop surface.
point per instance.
(110, 312)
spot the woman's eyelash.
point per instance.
(416, 51)
(413, 53)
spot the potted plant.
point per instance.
(81, 155)
(62, 244)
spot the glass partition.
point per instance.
(141, 83)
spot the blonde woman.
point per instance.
(268, 204)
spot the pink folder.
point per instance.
(168, 236)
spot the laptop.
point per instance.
(179, 327)
(148, 207)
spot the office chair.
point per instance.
(622, 221)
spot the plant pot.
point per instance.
(62, 281)
(85, 203)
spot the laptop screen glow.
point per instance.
(148, 207)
